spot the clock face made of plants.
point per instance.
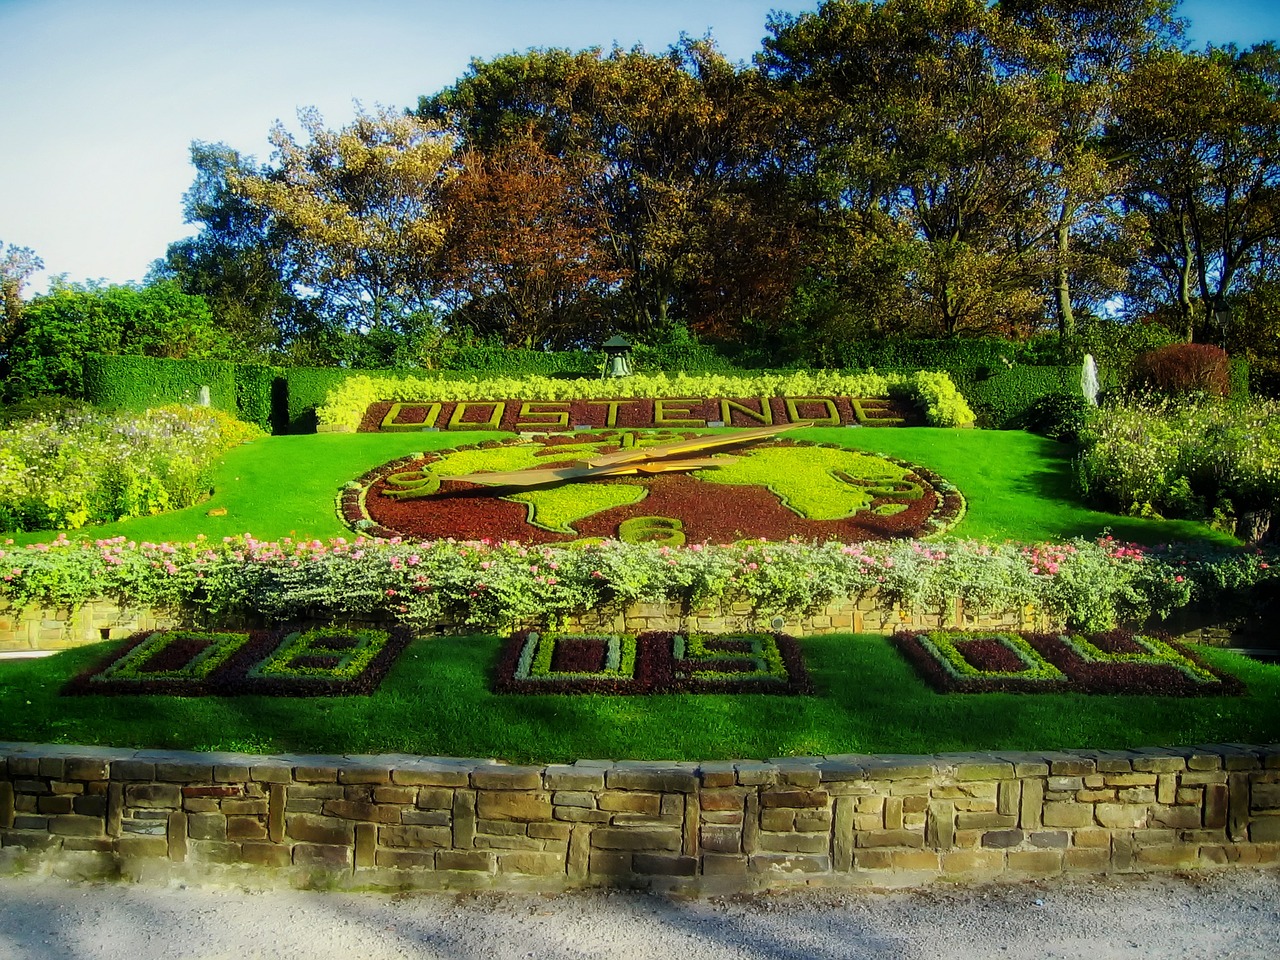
(651, 487)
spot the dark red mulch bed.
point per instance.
(991, 655)
(710, 512)
(232, 679)
(638, 414)
(1082, 676)
(655, 671)
(579, 655)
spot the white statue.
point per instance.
(1089, 380)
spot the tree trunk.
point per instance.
(1062, 284)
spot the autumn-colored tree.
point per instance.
(360, 211)
(525, 258)
(665, 137)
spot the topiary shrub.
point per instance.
(1183, 368)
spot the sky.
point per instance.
(102, 98)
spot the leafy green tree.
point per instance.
(916, 137)
(1201, 134)
(46, 356)
(16, 267)
(360, 214)
(237, 262)
(1075, 55)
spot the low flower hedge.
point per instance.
(934, 393)
(1089, 584)
(653, 662)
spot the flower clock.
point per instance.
(651, 487)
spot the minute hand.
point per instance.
(696, 443)
(646, 460)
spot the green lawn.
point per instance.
(1018, 485)
(436, 701)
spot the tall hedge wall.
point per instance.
(137, 383)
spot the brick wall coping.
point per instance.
(411, 822)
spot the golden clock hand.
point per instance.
(626, 461)
(694, 444)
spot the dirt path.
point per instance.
(1232, 915)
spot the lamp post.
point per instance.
(617, 353)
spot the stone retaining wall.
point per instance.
(400, 822)
(37, 628)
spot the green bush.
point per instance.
(1182, 457)
(91, 467)
(1004, 399)
(978, 355)
(58, 330)
(135, 384)
(1058, 416)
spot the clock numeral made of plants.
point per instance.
(651, 487)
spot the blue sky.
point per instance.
(103, 97)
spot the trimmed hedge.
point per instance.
(1004, 399)
(141, 383)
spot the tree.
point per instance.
(16, 268)
(359, 212)
(1075, 54)
(914, 136)
(237, 262)
(1201, 133)
(525, 251)
(660, 141)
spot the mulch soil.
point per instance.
(1082, 676)
(232, 678)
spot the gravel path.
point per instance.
(1224, 915)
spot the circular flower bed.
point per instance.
(776, 491)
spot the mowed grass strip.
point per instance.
(436, 701)
(1018, 486)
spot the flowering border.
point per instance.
(1091, 585)
(656, 662)
(1110, 662)
(288, 662)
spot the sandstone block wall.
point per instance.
(410, 822)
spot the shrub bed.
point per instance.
(1182, 457)
(1111, 662)
(289, 662)
(86, 466)
(654, 662)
